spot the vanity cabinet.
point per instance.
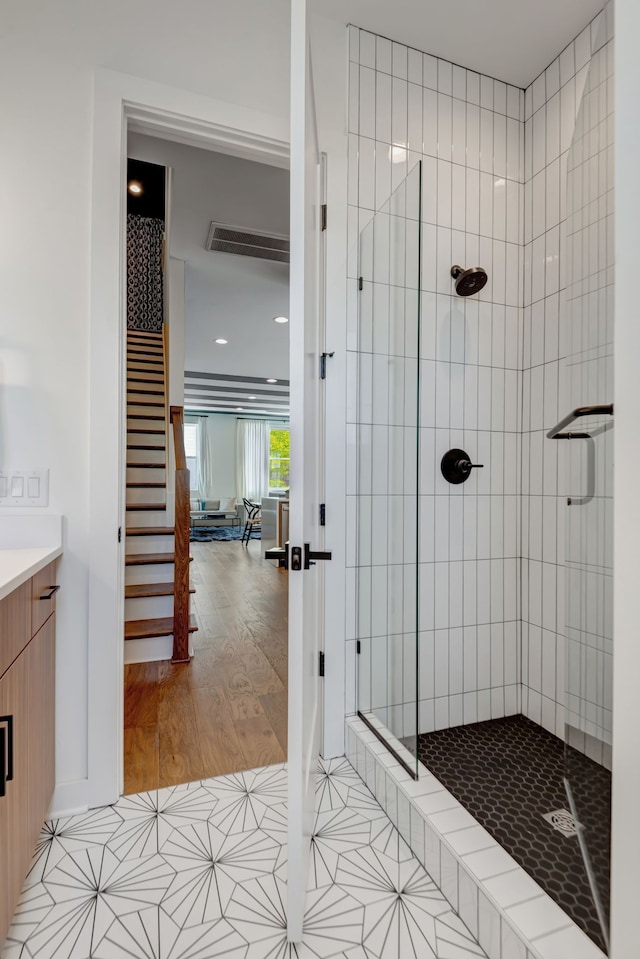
(27, 729)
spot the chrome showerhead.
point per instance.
(469, 281)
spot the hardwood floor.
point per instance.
(226, 710)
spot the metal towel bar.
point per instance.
(599, 409)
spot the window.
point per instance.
(191, 452)
(278, 460)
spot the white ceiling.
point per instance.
(228, 296)
(512, 40)
(238, 50)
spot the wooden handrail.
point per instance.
(181, 550)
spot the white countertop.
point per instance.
(19, 565)
(27, 544)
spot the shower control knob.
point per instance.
(456, 466)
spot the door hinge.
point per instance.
(323, 364)
(358, 646)
(321, 663)
(119, 534)
(323, 217)
(323, 514)
(360, 283)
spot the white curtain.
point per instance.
(205, 458)
(252, 459)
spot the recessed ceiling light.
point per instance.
(135, 187)
(281, 319)
(272, 381)
(239, 407)
(222, 341)
(251, 397)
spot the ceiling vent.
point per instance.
(234, 239)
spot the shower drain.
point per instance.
(563, 822)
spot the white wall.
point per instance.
(235, 297)
(626, 664)
(47, 60)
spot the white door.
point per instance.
(305, 591)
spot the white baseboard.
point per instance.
(69, 799)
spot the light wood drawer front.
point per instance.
(17, 833)
(42, 584)
(15, 624)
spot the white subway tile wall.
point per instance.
(467, 130)
(494, 380)
(567, 362)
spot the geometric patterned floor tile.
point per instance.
(199, 872)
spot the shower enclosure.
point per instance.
(484, 607)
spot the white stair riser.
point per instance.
(143, 372)
(149, 573)
(150, 544)
(134, 409)
(135, 474)
(148, 607)
(144, 423)
(143, 495)
(145, 518)
(147, 439)
(149, 650)
(146, 456)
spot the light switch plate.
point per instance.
(21, 487)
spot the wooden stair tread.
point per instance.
(141, 590)
(144, 403)
(142, 392)
(139, 446)
(146, 506)
(145, 628)
(146, 466)
(150, 530)
(150, 559)
(144, 416)
(147, 484)
(146, 431)
(145, 356)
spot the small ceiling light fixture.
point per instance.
(281, 319)
(135, 187)
(240, 408)
(222, 341)
(272, 381)
(251, 397)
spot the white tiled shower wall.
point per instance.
(549, 348)
(467, 129)
(494, 181)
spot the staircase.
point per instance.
(157, 621)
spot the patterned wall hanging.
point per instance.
(144, 272)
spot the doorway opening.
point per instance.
(223, 336)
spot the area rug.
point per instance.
(206, 534)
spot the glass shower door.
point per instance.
(387, 471)
(588, 462)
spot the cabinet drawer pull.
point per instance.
(52, 590)
(6, 753)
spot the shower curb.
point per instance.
(506, 910)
